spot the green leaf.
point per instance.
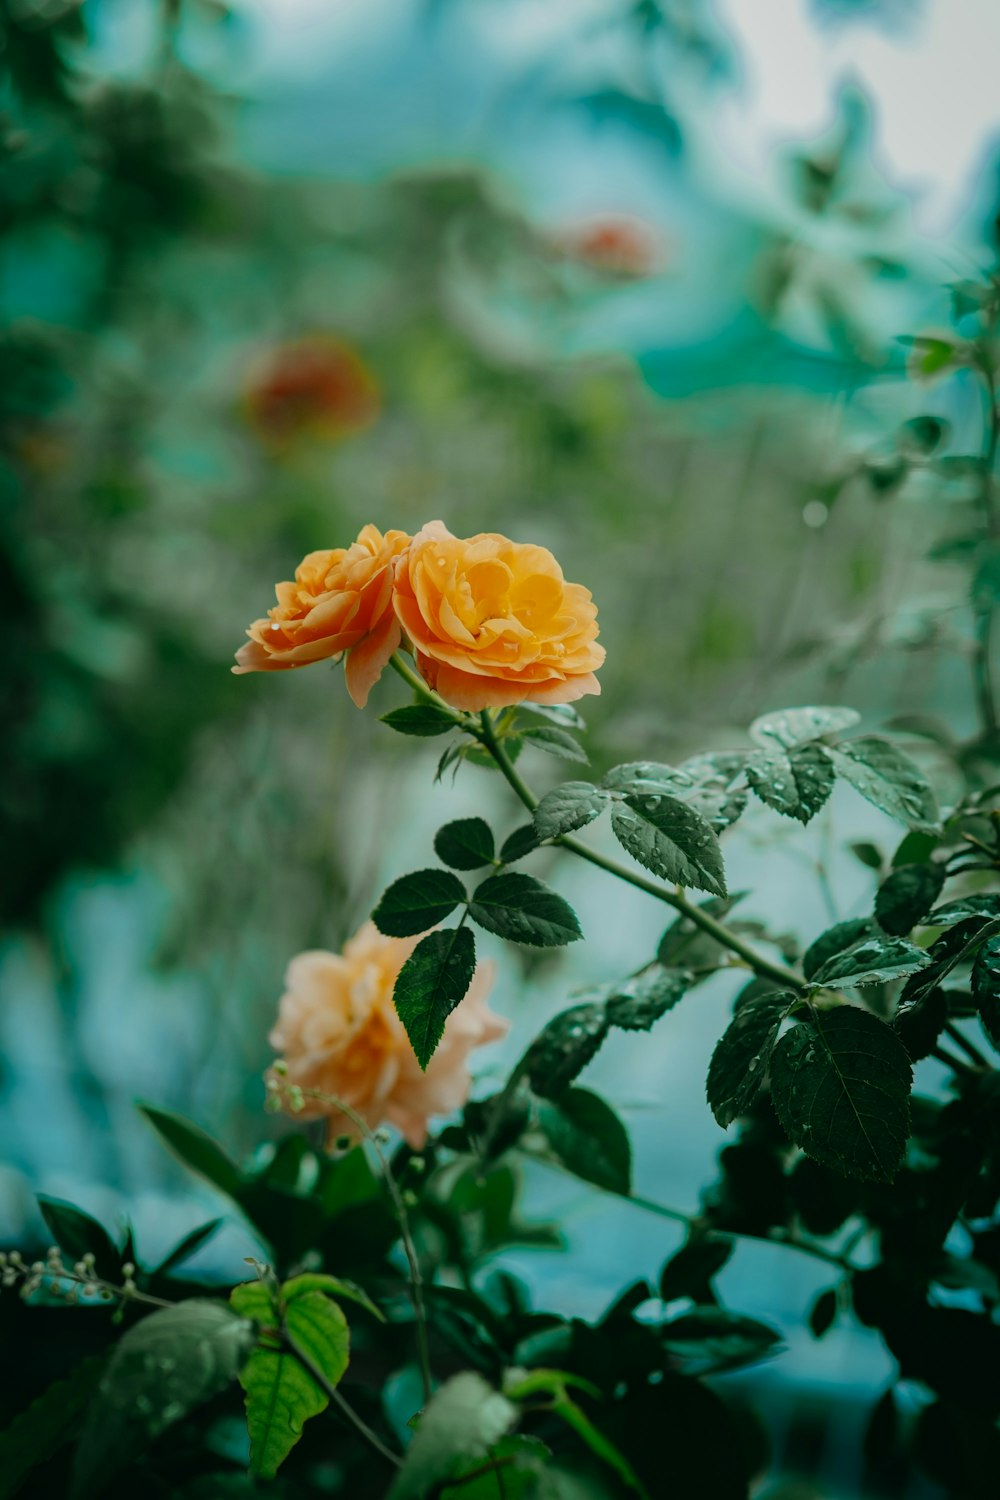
(841, 1088)
(741, 1058)
(873, 960)
(522, 841)
(954, 947)
(563, 714)
(556, 1385)
(196, 1149)
(986, 904)
(433, 980)
(690, 1271)
(564, 1048)
(187, 1246)
(796, 784)
(789, 727)
(464, 1419)
(834, 940)
(588, 1138)
(466, 844)
(332, 1286)
(645, 775)
(521, 1463)
(77, 1234)
(556, 742)
(422, 719)
(931, 355)
(985, 985)
(47, 1425)
(717, 791)
(161, 1368)
(906, 897)
(890, 780)
(521, 908)
(642, 1000)
(417, 902)
(915, 849)
(923, 434)
(869, 854)
(711, 1339)
(919, 1023)
(280, 1395)
(671, 840)
(572, 805)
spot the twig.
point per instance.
(341, 1403)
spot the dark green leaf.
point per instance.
(915, 849)
(565, 1047)
(646, 775)
(954, 947)
(556, 742)
(196, 1149)
(923, 434)
(642, 1000)
(77, 1234)
(462, 1422)
(740, 1060)
(51, 1421)
(466, 844)
(711, 1339)
(588, 1138)
(522, 841)
(796, 784)
(280, 1395)
(874, 960)
(979, 905)
(986, 988)
(563, 714)
(890, 780)
(521, 908)
(841, 1087)
(689, 1272)
(835, 940)
(417, 902)
(422, 719)
(919, 1023)
(161, 1369)
(717, 791)
(572, 805)
(187, 1246)
(906, 897)
(684, 942)
(433, 980)
(796, 726)
(823, 1313)
(671, 840)
(521, 1467)
(869, 854)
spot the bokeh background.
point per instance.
(622, 278)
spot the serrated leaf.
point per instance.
(521, 908)
(717, 791)
(564, 1048)
(835, 939)
(567, 807)
(796, 784)
(841, 1087)
(556, 713)
(671, 840)
(280, 1395)
(77, 1234)
(905, 898)
(985, 984)
(789, 727)
(645, 775)
(516, 845)
(161, 1368)
(643, 999)
(689, 1272)
(741, 1057)
(965, 908)
(888, 779)
(587, 1137)
(873, 960)
(432, 982)
(556, 741)
(417, 902)
(465, 844)
(463, 1420)
(919, 1023)
(423, 720)
(711, 1339)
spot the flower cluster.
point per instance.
(491, 622)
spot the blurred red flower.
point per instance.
(315, 387)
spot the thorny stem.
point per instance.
(343, 1406)
(416, 1281)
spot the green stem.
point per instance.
(696, 914)
(969, 1048)
(956, 1064)
(985, 616)
(343, 1406)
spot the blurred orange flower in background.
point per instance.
(339, 1033)
(493, 622)
(617, 246)
(316, 387)
(340, 600)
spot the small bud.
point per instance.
(417, 1164)
(15, 1259)
(410, 1199)
(281, 1068)
(128, 1270)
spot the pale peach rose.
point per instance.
(493, 622)
(340, 600)
(339, 1032)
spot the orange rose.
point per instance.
(340, 601)
(339, 1033)
(493, 622)
(311, 387)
